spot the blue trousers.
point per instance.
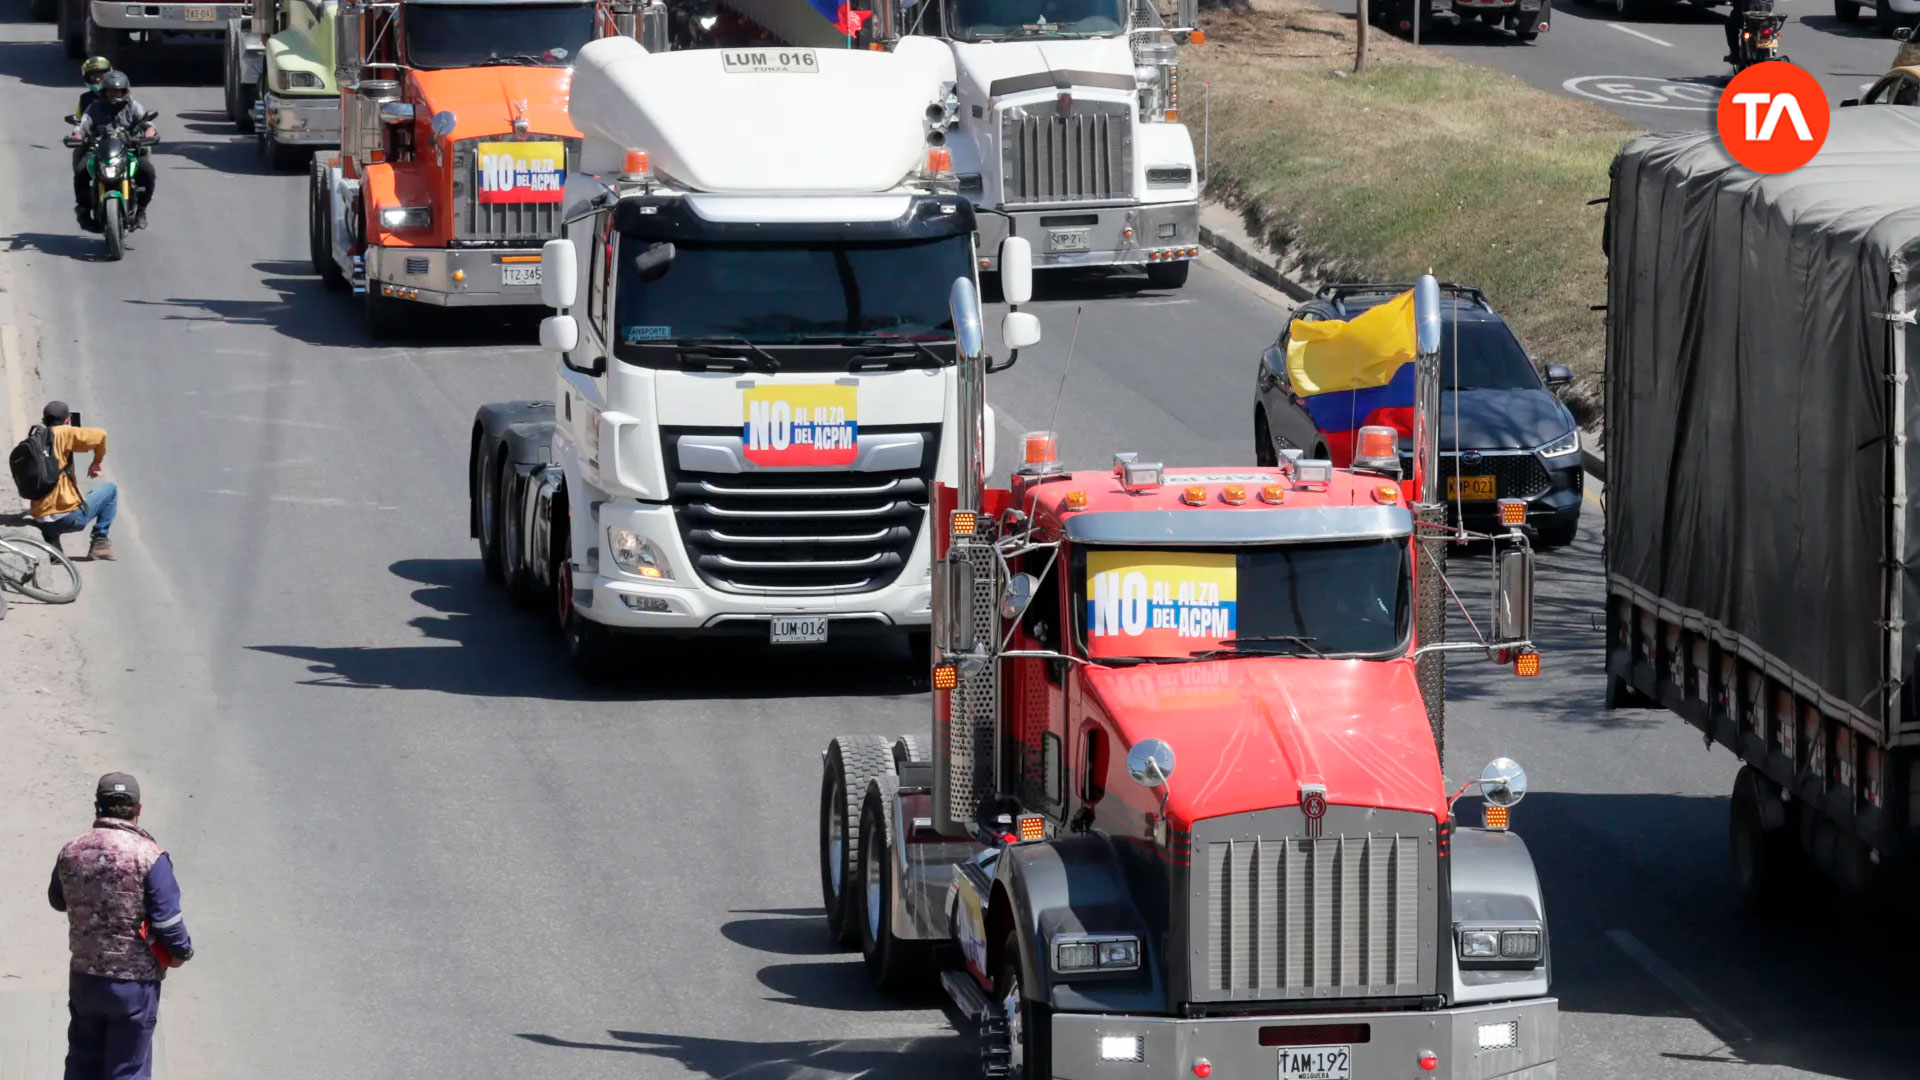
(98, 510)
(110, 1030)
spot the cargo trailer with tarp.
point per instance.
(1760, 537)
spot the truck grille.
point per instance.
(1345, 915)
(502, 223)
(798, 531)
(1084, 156)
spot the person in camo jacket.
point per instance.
(124, 928)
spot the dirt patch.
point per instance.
(1423, 163)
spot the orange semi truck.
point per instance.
(454, 150)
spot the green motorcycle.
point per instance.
(112, 162)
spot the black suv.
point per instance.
(1503, 434)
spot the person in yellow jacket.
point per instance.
(64, 509)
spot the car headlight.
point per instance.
(1105, 952)
(301, 80)
(407, 217)
(637, 555)
(1562, 446)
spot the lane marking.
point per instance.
(1641, 36)
(1644, 92)
(304, 500)
(1711, 1016)
(16, 383)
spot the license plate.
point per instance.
(1470, 487)
(764, 61)
(794, 631)
(200, 14)
(520, 275)
(1070, 240)
(1316, 1063)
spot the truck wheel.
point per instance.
(1013, 1037)
(512, 541)
(1846, 12)
(71, 21)
(590, 646)
(850, 764)
(1264, 454)
(100, 41)
(486, 496)
(1768, 870)
(1168, 275)
(320, 227)
(898, 967)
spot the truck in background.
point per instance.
(1182, 807)
(757, 386)
(110, 28)
(277, 70)
(1760, 510)
(454, 151)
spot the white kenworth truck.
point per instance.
(757, 384)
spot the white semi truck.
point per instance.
(757, 386)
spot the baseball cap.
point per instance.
(117, 787)
(56, 412)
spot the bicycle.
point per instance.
(32, 567)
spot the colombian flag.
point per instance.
(1354, 373)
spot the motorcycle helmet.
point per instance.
(116, 80)
(95, 69)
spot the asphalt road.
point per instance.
(1662, 68)
(414, 846)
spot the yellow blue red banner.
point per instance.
(1156, 603)
(801, 426)
(521, 172)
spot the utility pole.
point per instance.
(1360, 38)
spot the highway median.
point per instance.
(1420, 162)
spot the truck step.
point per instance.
(966, 996)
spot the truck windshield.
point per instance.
(786, 293)
(480, 35)
(1347, 599)
(1001, 20)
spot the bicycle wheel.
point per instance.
(38, 569)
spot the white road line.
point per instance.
(1713, 1017)
(1638, 34)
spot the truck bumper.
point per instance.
(303, 120)
(638, 605)
(1393, 1043)
(1116, 236)
(110, 15)
(452, 277)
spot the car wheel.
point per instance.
(1168, 275)
(1265, 454)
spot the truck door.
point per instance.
(583, 375)
(1039, 700)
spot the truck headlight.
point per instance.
(1501, 946)
(1562, 446)
(1520, 944)
(637, 555)
(1104, 952)
(407, 217)
(1123, 1048)
(1479, 945)
(301, 80)
(1169, 176)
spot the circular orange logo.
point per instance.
(1773, 117)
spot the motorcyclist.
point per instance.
(1736, 22)
(92, 72)
(115, 108)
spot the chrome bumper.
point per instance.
(300, 120)
(449, 277)
(1525, 1035)
(1133, 236)
(124, 16)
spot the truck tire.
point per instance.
(1014, 1035)
(276, 155)
(898, 967)
(71, 21)
(486, 498)
(100, 41)
(591, 648)
(849, 765)
(1845, 11)
(521, 587)
(1769, 870)
(320, 227)
(1169, 275)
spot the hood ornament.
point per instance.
(1066, 104)
(520, 116)
(1313, 804)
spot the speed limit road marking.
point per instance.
(1644, 92)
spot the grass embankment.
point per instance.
(1422, 162)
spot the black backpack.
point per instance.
(36, 471)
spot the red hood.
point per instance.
(1247, 732)
(484, 101)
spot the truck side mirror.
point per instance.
(1150, 763)
(1503, 782)
(1558, 375)
(559, 275)
(1019, 329)
(1017, 596)
(963, 304)
(1513, 605)
(1016, 270)
(559, 333)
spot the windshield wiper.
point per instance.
(1130, 661)
(887, 340)
(768, 361)
(518, 59)
(1233, 648)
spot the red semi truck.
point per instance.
(1183, 809)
